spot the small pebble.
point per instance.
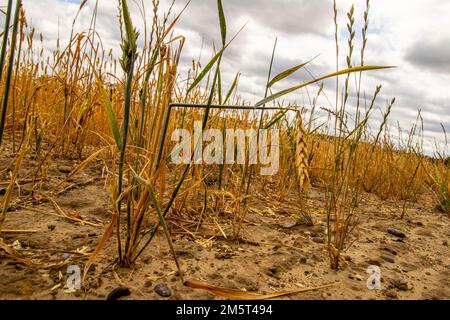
(163, 290)
(396, 232)
(118, 293)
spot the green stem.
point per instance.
(10, 68)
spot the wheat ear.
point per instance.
(301, 154)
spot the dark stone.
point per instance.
(118, 293)
(396, 232)
(163, 290)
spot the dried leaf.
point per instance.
(83, 164)
(243, 295)
(100, 245)
(75, 214)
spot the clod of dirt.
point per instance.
(390, 293)
(355, 276)
(318, 240)
(64, 169)
(400, 284)
(118, 293)
(288, 224)
(148, 283)
(390, 250)
(224, 252)
(373, 262)
(163, 290)
(51, 227)
(26, 189)
(273, 271)
(389, 259)
(396, 232)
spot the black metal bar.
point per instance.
(246, 108)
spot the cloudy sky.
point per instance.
(410, 34)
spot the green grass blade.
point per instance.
(9, 71)
(111, 118)
(287, 73)
(5, 36)
(162, 222)
(223, 24)
(233, 86)
(275, 120)
(331, 75)
(130, 32)
(205, 70)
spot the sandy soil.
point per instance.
(275, 252)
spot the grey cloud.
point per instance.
(432, 54)
(201, 16)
